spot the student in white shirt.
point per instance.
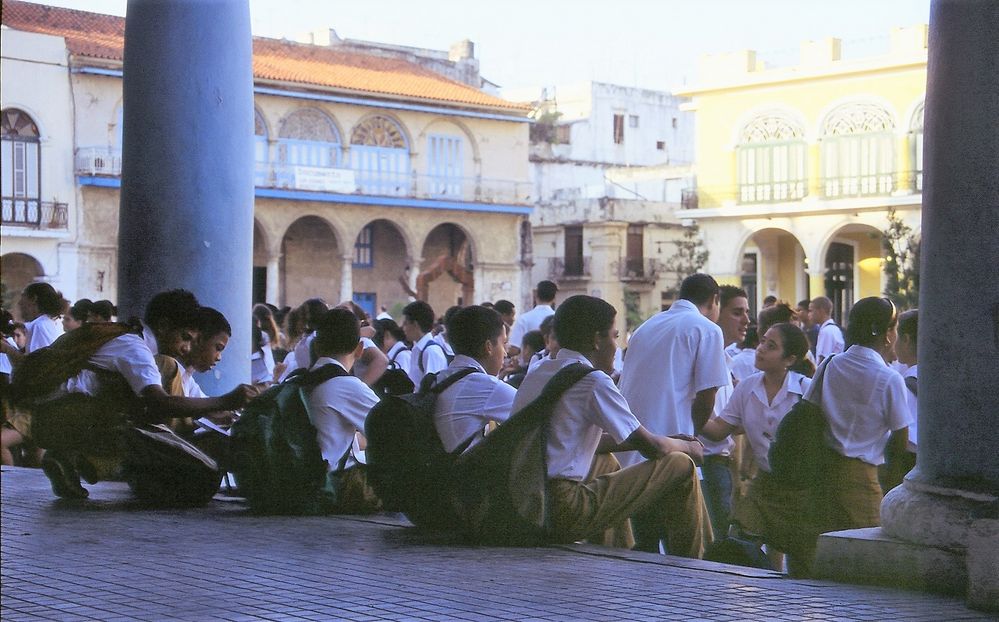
(338, 408)
(309, 311)
(464, 409)
(756, 408)
(392, 341)
(593, 416)
(898, 465)
(40, 306)
(830, 338)
(531, 320)
(372, 363)
(428, 355)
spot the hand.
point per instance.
(238, 397)
(689, 445)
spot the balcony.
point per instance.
(881, 184)
(640, 270)
(569, 269)
(102, 161)
(34, 214)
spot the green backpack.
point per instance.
(277, 462)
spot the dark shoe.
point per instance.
(64, 479)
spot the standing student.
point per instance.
(428, 356)
(593, 416)
(899, 463)
(531, 320)
(40, 306)
(830, 335)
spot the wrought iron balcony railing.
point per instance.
(34, 214)
(640, 269)
(569, 268)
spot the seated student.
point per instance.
(392, 341)
(428, 355)
(440, 331)
(372, 363)
(513, 374)
(131, 364)
(593, 416)
(213, 333)
(551, 344)
(338, 408)
(261, 359)
(463, 410)
(102, 311)
(77, 315)
(309, 313)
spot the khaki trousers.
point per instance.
(664, 491)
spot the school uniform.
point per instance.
(42, 331)
(464, 409)
(743, 362)
(528, 321)
(400, 355)
(830, 340)
(426, 359)
(665, 489)
(360, 367)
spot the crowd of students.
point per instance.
(664, 447)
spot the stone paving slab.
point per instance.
(108, 559)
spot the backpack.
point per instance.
(276, 458)
(407, 463)
(395, 380)
(500, 486)
(423, 368)
(43, 371)
(799, 455)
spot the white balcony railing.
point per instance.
(98, 161)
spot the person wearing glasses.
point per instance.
(865, 405)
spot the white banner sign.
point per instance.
(325, 179)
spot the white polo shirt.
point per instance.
(722, 396)
(127, 355)
(338, 408)
(42, 331)
(911, 403)
(743, 363)
(191, 386)
(748, 409)
(864, 401)
(830, 340)
(671, 357)
(587, 410)
(432, 359)
(463, 409)
(528, 321)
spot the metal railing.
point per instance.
(98, 161)
(882, 184)
(569, 268)
(43, 215)
(773, 191)
(639, 269)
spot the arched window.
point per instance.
(771, 161)
(445, 159)
(380, 156)
(308, 139)
(916, 144)
(21, 159)
(858, 154)
(260, 155)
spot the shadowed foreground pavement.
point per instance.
(107, 559)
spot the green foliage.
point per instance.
(633, 315)
(689, 258)
(901, 247)
(543, 128)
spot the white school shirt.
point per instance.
(127, 355)
(150, 339)
(749, 410)
(722, 396)
(401, 355)
(743, 363)
(360, 367)
(463, 409)
(433, 361)
(911, 403)
(592, 406)
(191, 386)
(441, 338)
(5, 366)
(42, 331)
(337, 409)
(299, 356)
(528, 321)
(830, 340)
(671, 357)
(864, 401)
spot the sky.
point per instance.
(532, 43)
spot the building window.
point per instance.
(633, 120)
(634, 262)
(858, 153)
(21, 166)
(379, 156)
(771, 161)
(308, 139)
(364, 248)
(675, 124)
(367, 301)
(916, 145)
(444, 165)
(563, 134)
(574, 250)
(660, 145)
(260, 152)
(619, 129)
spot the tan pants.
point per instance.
(618, 536)
(665, 490)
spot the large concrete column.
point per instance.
(346, 278)
(186, 215)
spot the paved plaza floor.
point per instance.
(107, 559)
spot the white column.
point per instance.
(346, 278)
(273, 293)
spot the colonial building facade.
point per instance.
(797, 167)
(378, 179)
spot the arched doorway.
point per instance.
(446, 273)
(852, 265)
(259, 264)
(381, 259)
(310, 262)
(773, 262)
(17, 270)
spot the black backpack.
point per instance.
(423, 367)
(395, 380)
(276, 458)
(407, 464)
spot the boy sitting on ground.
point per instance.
(338, 408)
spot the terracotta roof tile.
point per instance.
(98, 36)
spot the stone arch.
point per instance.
(382, 264)
(777, 267)
(849, 258)
(17, 270)
(380, 155)
(371, 122)
(35, 115)
(857, 147)
(771, 113)
(915, 115)
(310, 136)
(865, 113)
(447, 250)
(311, 261)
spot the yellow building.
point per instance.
(797, 167)
(383, 172)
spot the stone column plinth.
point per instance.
(186, 218)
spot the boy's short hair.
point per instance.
(699, 288)
(387, 326)
(420, 312)
(177, 307)
(581, 317)
(338, 331)
(104, 309)
(546, 325)
(546, 291)
(908, 323)
(728, 292)
(469, 328)
(504, 307)
(211, 322)
(534, 340)
(823, 303)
